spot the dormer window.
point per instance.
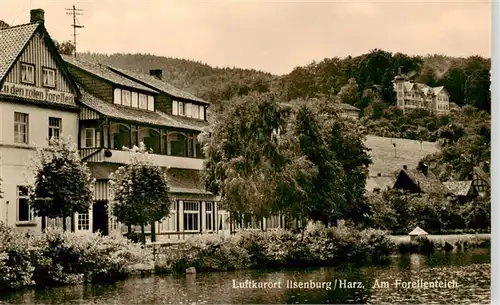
(143, 101)
(49, 77)
(126, 98)
(134, 99)
(181, 108)
(27, 73)
(189, 110)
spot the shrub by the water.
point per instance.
(61, 258)
(257, 249)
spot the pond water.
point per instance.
(466, 274)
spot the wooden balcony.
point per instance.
(122, 157)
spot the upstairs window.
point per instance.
(91, 138)
(151, 103)
(202, 112)
(117, 99)
(143, 101)
(27, 73)
(21, 127)
(181, 108)
(49, 77)
(54, 128)
(189, 110)
(135, 99)
(126, 98)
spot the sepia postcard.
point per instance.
(246, 152)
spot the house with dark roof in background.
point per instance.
(463, 191)
(420, 180)
(38, 101)
(480, 180)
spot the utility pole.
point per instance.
(75, 12)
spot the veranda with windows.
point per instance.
(160, 140)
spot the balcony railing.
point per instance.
(122, 157)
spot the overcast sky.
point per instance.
(272, 36)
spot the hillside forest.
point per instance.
(363, 81)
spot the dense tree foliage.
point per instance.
(140, 191)
(300, 159)
(65, 47)
(401, 212)
(466, 79)
(62, 182)
(465, 142)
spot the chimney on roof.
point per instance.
(405, 167)
(423, 168)
(37, 15)
(4, 25)
(158, 73)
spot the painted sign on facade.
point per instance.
(39, 94)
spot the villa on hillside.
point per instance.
(412, 95)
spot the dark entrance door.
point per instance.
(100, 217)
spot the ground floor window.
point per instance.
(223, 221)
(113, 223)
(169, 223)
(83, 222)
(24, 210)
(191, 215)
(209, 216)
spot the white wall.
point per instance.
(15, 158)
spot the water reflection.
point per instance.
(471, 270)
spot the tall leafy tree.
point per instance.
(65, 47)
(477, 89)
(141, 192)
(63, 184)
(265, 157)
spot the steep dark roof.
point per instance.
(105, 73)
(138, 115)
(459, 188)
(14, 39)
(12, 42)
(429, 183)
(159, 85)
(4, 25)
(486, 178)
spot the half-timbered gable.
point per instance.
(31, 68)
